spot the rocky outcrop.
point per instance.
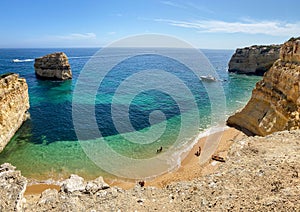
(254, 60)
(14, 104)
(53, 66)
(275, 101)
(12, 188)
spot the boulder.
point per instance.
(275, 101)
(96, 185)
(254, 60)
(49, 197)
(74, 183)
(14, 105)
(12, 188)
(53, 66)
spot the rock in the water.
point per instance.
(14, 104)
(12, 188)
(255, 60)
(74, 183)
(53, 66)
(275, 102)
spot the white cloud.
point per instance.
(274, 28)
(173, 4)
(77, 36)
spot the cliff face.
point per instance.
(275, 102)
(53, 66)
(254, 60)
(14, 103)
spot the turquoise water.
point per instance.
(46, 146)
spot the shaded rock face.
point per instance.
(275, 102)
(255, 60)
(53, 66)
(14, 104)
(12, 188)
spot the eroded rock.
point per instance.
(14, 105)
(49, 196)
(96, 185)
(254, 60)
(74, 183)
(275, 101)
(53, 66)
(12, 188)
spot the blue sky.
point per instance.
(95, 23)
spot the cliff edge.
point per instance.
(275, 102)
(255, 60)
(14, 104)
(53, 66)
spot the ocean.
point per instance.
(47, 145)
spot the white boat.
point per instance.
(21, 61)
(208, 78)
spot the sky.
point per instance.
(210, 24)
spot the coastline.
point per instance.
(257, 171)
(189, 169)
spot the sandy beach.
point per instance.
(191, 167)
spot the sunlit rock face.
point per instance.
(254, 60)
(53, 66)
(14, 104)
(275, 102)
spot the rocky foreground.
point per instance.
(260, 174)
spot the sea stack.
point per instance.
(53, 66)
(14, 104)
(275, 102)
(254, 60)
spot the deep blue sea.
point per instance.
(46, 146)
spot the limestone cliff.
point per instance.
(254, 60)
(14, 103)
(275, 101)
(53, 66)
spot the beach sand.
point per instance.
(191, 167)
